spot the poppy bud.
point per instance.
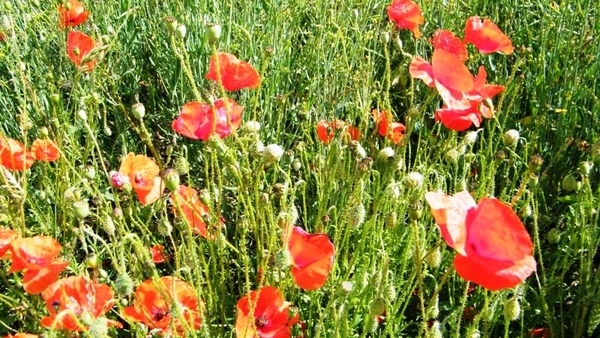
(372, 324)
(413, 180)
(415, 210)
(92, 261)
(570, 183)
(510, 138)
(252, 127)
(356, 215)
(182, 165)
(398, 43)
(526, 211)
(512, 309)
(82, 115)
(180, 31)
(107, 131)
(4, 219)
(585, 168)
(123, 285)
(451, 156)
(164, 227)
(171, 178)
(434, 309)
(346, 288)
(272, 153)
(81, 209)
(413, 113)
(471, 137)
(376, 307)
(213, 33)
(435, 331)
(535, 163)
(296, 165)
(108, 225)
(389, 293)
(357, 149)
(364, 164)
(171, 24)
(55, 98)
(499, 157)
(118, 179)
(98, 328)
(89, 172)
(138, 110)
(43, 132)
(117, 213)
(434, 259)
(385, 154)
(385, 38)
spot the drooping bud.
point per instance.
(123, 285)
(510, 138)
(471, 137)
(356, 215)
(451, 156)
(171, 178)
(138, 110)
(512, 309)
(413, 180)
(272, 153)
(89, 172)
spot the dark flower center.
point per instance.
(261, 322)
(159, 314)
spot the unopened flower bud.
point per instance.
(510, 138)
(346, 287)
(252, 126)
(413, 180)
(81, 209)
(43, 132)
(391, 219)
(82, 115)
(138, 110)
(108, 225)
(413, 113)
(451, 156)
(89, 172)
(585, 168)
(164, 227)
(71, 194)
(171, 178)
(512, 309)
(107, 131)
(434, 258)
(385, 38)
(569, 183)
(123, 285)
(553, 236)
(182, 165)
(386, 154)
(92, 261)
(272, 153)
(356, 215)
(471, 137)
(376, 307)
(180, 31)
(213, 33)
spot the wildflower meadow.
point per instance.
(275, 168)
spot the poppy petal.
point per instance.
(36, 281)
(493, 274)
(421, 69)
(79, 46)
(312, 258)
(407, 15)
(450, 214)
(235, 74)
(446, 40)
(486, 36)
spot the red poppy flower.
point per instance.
(45, 150)
(187, 204)
(79, 47)
(486, 36)
(270, 317)
(493, 248)
(312, 257)
(235, 74)
(326, 130)
(393, 131)
(22, 335)
(14, 155)
(143, 175)
(33, 252)
(169, 305)
(37, 280)
(444, 39)
(462, 93)
(197, 120)
(540, 333)
(158, 253)
(72, 14)
(407, 15)
(6, 237)
(71, 298)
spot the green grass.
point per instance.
(318, 60)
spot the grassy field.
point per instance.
(392, 273)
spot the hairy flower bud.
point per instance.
(512, 309)
(413, 180)
(510, 138)
(138, 110)
(272, 153)
(123, 285)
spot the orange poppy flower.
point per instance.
(14, 155)
(33, 252)
(187, 204)
(37, 280)
(72, 14)
(169, 305)
(158, 253)
(393, 131)
(70, 298)
(326, 130)
(493, 248)
(6, 237)
(235, 74)
(45, 150)
(486, 36)
(270, 317)
(22, 335)
(312, 257)
(444, 39)
(79, 46)
(197, 120)
(143, 174)
(407, 15)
